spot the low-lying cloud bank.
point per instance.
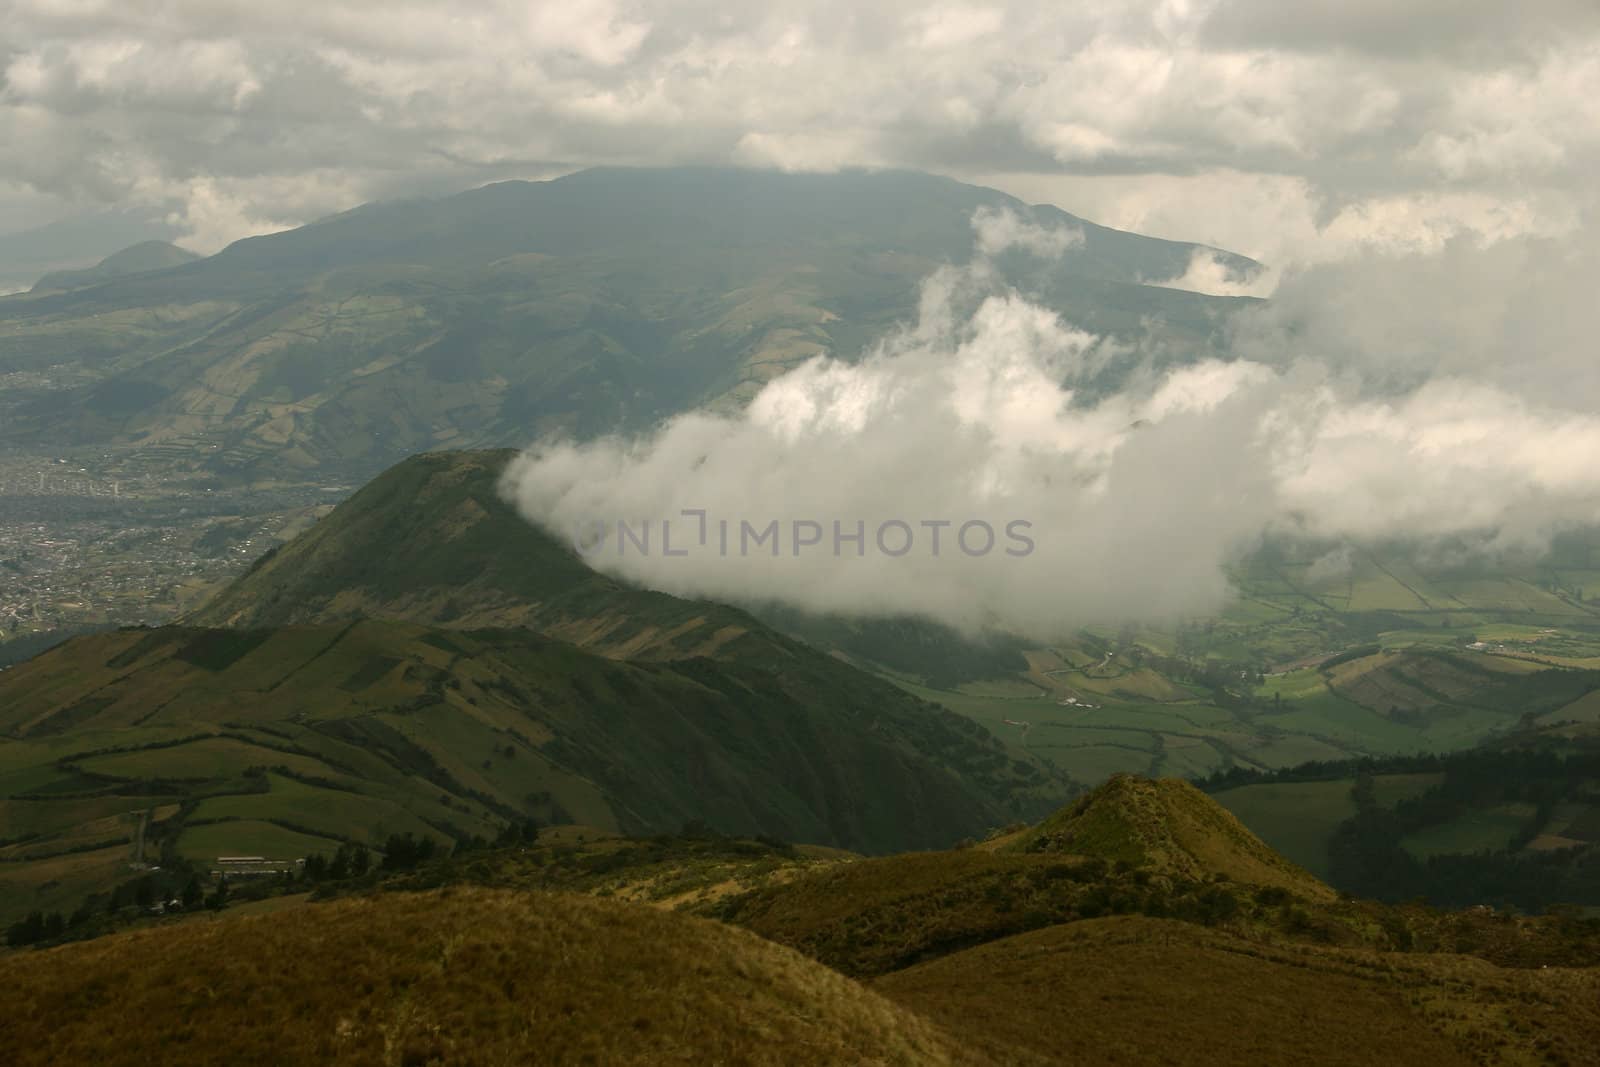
(955, 473)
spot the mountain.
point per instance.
(422, 661)
(136, 259)
(1169, 826)
(432, 541)
(74, 242)
(598, 302)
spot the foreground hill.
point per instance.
(1133, 990)
(459, 977)
(602, 300)
(969, 956)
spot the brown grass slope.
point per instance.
(465, 976)
(1171, 827)
(1133, 990)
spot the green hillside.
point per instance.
(423, 662)
(244, 742)
(432, 541)
(1393, 655)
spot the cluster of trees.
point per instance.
(404, 852)
(400, 852)
(149, 891)
(518, 832)
(37, 927)
(350, 861)
(1366, 856)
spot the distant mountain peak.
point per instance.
(135, 259)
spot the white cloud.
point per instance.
(1136, 500)
(999, 230)
(1210, 273)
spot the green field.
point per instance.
(1484, 830)
(325, 812)
(1295, 818)
(250, 837)
(1390, 789)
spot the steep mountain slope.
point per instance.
(431, 541)
(135, 259)
(599, 301)
(462, 729)
(422, 661)
(1169, 826)
(462, 977)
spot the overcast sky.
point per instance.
(1418, 175)
(1283, 130)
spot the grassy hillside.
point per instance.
(1139, 990)
(457, 976)
(464, 975)
(980, 955)
(256, 739)
(423, 661)
(1169, 826)
(431, 541)
(1103, 703)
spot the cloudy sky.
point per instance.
(1418, 175)
(1297, 131)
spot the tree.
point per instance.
(194, 894)
(26, 931)
(518, 832)
(402, 852)
(339, 869)
(219, 896)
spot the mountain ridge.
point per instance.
(601, 302)
(135, 259)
